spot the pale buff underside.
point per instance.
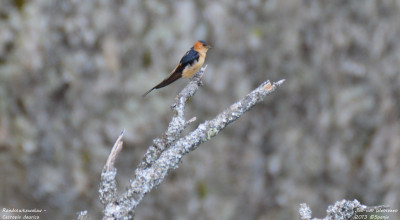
(189, 71)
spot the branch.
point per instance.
(177, 124)
(343, 210)
(82, 215)
(167, 151)
(108, 184)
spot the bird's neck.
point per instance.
(202, 53)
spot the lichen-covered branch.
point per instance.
(108, 184)
(342, 210)
(82, 215)
(177, 124)
(167, 151)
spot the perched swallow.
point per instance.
(189, 65)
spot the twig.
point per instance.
(114, 152)
(108, 184)
(82, 215)
(190, 121)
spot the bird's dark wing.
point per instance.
(188, 59)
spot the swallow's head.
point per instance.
(201, 46)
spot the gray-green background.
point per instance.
(72, 74)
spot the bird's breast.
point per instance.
(192, 69)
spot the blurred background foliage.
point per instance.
(72, 74)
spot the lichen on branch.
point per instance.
(168, 150)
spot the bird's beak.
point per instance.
(209, 46)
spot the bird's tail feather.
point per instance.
(147, 92)
(172, 78)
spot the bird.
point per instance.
(189, 65)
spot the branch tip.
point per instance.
(201, 73)
(82, 215)
(116, 149)
(269, 86)
(280, 82)
(190, 121)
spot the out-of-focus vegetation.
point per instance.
(72, 74)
